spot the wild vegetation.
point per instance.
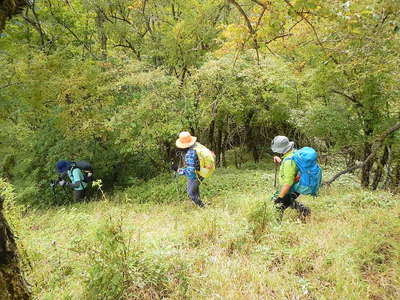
(160, 245)
(114, 82)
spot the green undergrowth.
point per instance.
(168, 188)
(150, 242)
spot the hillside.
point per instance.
(233, 249)
(103, 89)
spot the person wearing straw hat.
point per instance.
(187, 142)
(285, 196)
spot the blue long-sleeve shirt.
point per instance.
(192, 164)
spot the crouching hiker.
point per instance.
(199, 164)
(75, 175)
(299, 173)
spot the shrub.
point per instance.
(120, 269)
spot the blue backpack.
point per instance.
(310, 171)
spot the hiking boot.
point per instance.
(302, 209)
(199, 203)
(304, 214)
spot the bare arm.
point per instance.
(284, 190)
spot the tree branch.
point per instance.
(60, 22)
(281, 36)
(301, 15)
(264, 5)
(10, 84)
(260, 18)
(243, 13)
(375, 148)
(351, 98)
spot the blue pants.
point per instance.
(194, 191)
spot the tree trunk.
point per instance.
(366, 169)
(12, 283)
(211, 135)
(100, 20)
(250, 137)
(395, 184)
(225, 142)
(372, 154)
(219, 145)
(9, 8)
(379, 168)
(388, 168)
(350, 158)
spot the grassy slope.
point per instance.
(349, 249)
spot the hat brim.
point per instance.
(181, 145)
(283, 150)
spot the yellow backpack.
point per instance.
(206, 159)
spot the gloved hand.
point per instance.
(61, 182)
(180, 171)
(174, 167)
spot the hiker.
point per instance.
(78, 183)
(187, 142)
(286, 194)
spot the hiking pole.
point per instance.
(174, 169)
(176, 183)
(276, 170)
(53, 187)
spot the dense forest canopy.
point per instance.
(113, 82)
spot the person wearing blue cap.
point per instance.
(68, 169)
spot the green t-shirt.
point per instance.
(287, 170)
(76, 175)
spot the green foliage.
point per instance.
(11, 209)
(262, 216)
(114, 82)
(169, 188)
(119, 269)
(114, 250)
(82, 120)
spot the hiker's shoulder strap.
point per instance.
(194, 149)
(289, 157)
(288, 163)
(197, 145)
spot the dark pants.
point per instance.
(290, 201)
(78, 195)
(194, 191)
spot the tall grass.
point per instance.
(151, 242)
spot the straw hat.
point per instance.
(185, 140)
(281, 144)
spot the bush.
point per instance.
(120, 269)
(261, 216)
(12, 210)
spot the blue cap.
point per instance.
(63, 166)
